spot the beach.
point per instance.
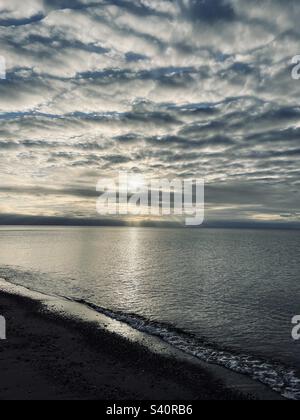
(51, 357)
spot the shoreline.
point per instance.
(67, 351)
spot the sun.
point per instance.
(136, 182)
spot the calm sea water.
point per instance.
(226, 296)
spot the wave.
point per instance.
(276, 376)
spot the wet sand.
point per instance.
(49, 356)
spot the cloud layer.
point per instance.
(169, 88)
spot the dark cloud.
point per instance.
(132, 57)
(20, 220)
(44, 191)
(21, 22)
(209, 11)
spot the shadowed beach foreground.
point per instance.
(47, 356)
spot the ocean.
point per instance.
(225, 296)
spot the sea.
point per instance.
(224, 296)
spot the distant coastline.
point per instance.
(26, 220)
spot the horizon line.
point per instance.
(59, 221)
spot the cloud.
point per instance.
(167, 88)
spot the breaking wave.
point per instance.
(274, 375)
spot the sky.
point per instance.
(162, 88)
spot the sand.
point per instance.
(48, 356)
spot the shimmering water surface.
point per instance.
(226, 296)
